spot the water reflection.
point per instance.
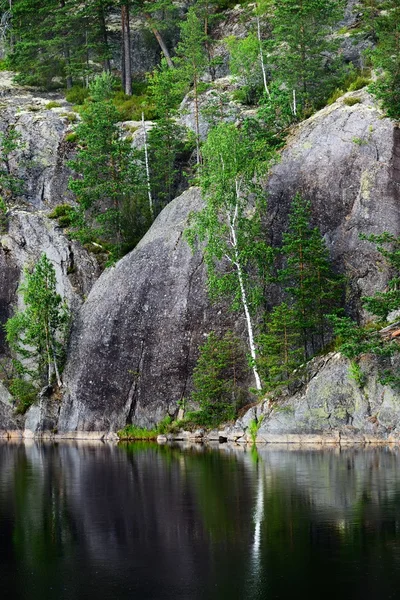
(150, 522)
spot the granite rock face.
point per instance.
(135, 340)
(329, 406)
(346, 161)
(41, 161)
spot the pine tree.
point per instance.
(307, 277)
(220, 367)
(166, 137)
(381, 304)
(10, 185)
(37, 335)
(280, 346)
(192, 61)
(111, 185)
(386, 57)
(301, 43)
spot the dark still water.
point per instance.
(146, 522)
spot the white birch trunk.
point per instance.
(236, 262)
(262, 58)
(146, 158)
(294, 103)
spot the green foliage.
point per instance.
(307, 278)
(37, 335)
(359, 82)
(24, 392)
(10, 186)
(3, 216)
(254, 427)
(52, 104)
(383, 303)
(354, 340)
(280, 351)
(55, 43)
(111, 192)
(132, 432)
(300, 45)
(64, 213)
(386, 58)
(357, 374)
(71, 137)
(245, 64)
(220, 366)
(351, 101)
(77, 94)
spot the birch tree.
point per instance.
(230, 226)
(37, 334)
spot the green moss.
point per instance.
(351, 101)
(72, 117)
(71, 137)
(52, 104)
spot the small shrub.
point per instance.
(359, 141)
(132, 432)
(4, 65)
(131, 107)
(3, 216)
(52, 104)
(360, 82)
(77, 94)
(357, 375)
(165, 425)
(254, 426)
(351, 101)
(24, 393)
(72, 117)
(71, 137)
(64, 213)
(336, 94)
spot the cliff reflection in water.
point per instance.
(150, 522)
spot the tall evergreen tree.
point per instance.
(192, 61)
(111, 184)
(307, 277)
(166, 137)
(303, 48)
(386, 57)
(279, 346)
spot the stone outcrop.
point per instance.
(345, 160)
(135, 340)
(329, 406)
(41, 161)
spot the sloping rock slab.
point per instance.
(135, 341)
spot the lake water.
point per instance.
(142, 521)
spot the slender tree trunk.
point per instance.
(262, 58)
(146, 157)
(57, 372)
(126, 45)
(196, 119)
(104, 37)
(160, 40)
(67, 57)
(239, 271)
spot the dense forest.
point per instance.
(288, 64)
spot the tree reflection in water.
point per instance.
(160, 522)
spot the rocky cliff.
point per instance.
(135, 338)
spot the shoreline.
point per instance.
(222, 438)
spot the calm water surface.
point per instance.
(145, 522)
